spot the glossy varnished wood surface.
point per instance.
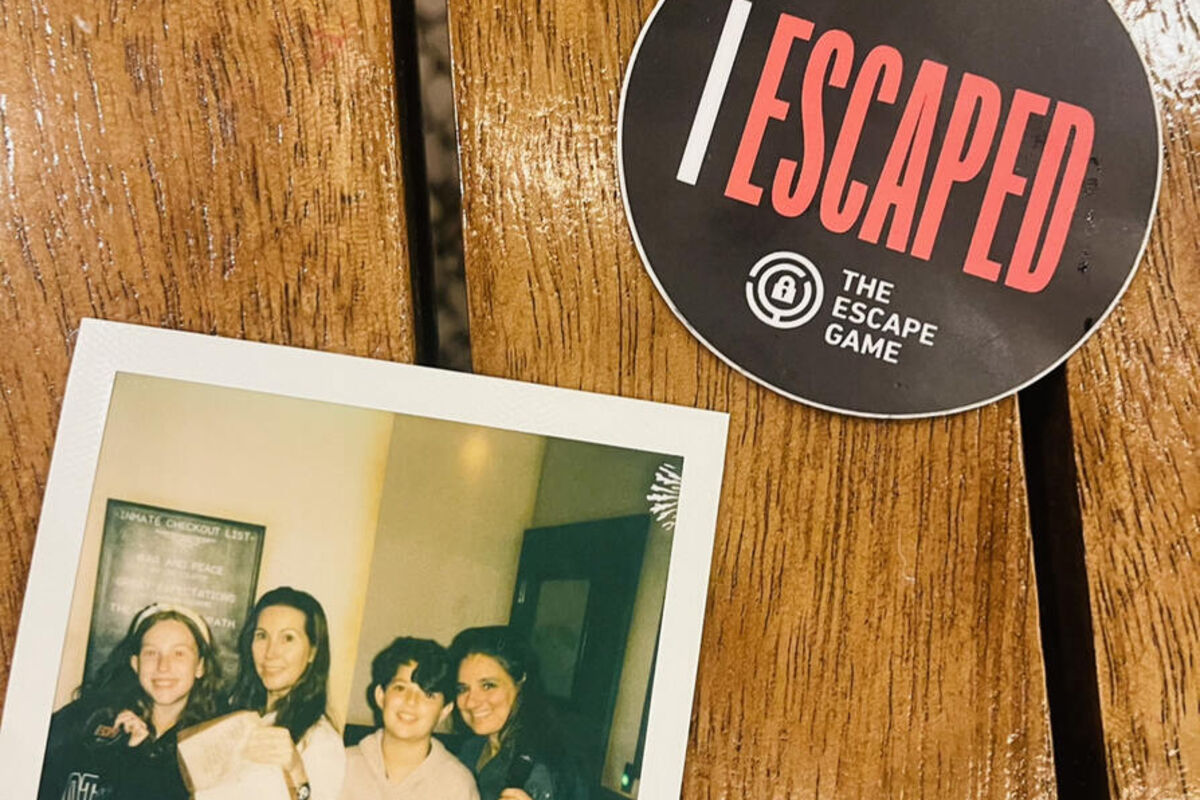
(1135, 406)
(872, 624)
(219, 167)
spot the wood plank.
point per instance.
(1134, 401)
(220, 167)
(872, 627)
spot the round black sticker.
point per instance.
(892, 210)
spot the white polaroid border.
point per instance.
(106, 348)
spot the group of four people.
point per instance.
(118, 739)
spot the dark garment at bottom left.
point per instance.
(87, 760)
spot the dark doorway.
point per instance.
(573, 600)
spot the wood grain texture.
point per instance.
(872, 625)
(220, 167)
(1135, 406)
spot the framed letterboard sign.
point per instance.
(158, 555)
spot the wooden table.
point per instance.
(873, 626)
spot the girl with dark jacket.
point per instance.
(116, 740)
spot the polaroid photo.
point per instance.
(263, 572)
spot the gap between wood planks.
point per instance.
(416, 183)
(1068, 647)
(1051, 479)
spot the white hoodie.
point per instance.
(440, 776)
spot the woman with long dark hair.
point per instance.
(117, 739)
(283, 668)
(517, 750)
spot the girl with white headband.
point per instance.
(117, 739)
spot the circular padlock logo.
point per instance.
(896, 214)
(784, 290)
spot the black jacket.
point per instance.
(543, 781)
(87, 759)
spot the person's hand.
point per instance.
(133, 725)
(514, 794)
(273, 745)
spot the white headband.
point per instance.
(183, 611)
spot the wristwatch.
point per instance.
(303, 792)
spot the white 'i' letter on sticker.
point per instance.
(714, 92)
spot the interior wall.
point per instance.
(455, 504)
(311, 472)
(582, 482)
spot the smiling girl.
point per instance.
(117, 740)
